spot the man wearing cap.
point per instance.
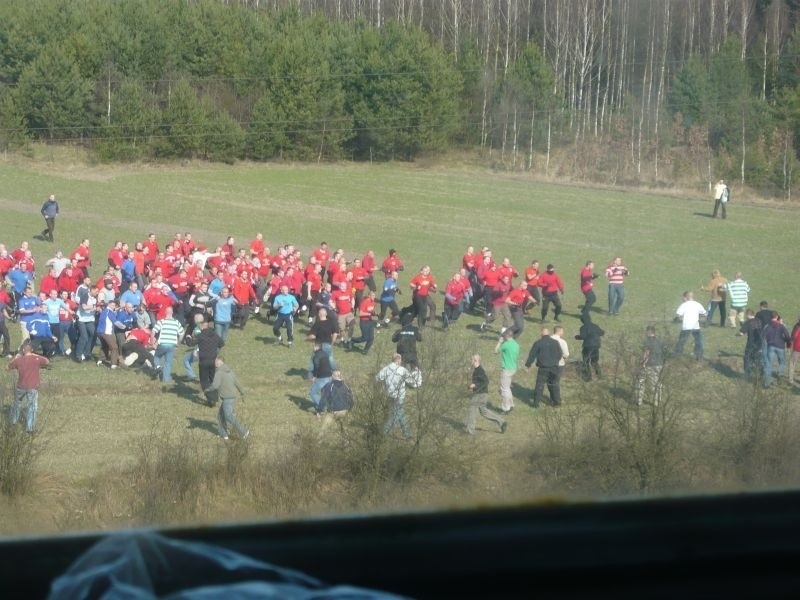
(551, 285)
(49, 212)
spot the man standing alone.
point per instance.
(27, 366)
(49, 212)
(616, 273)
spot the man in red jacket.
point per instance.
(551, 285)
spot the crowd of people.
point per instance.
(153, 298)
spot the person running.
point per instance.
(479, 386)
(396, 377)
(49, 212)
(227, 385)
(286, 304)
(551, 285)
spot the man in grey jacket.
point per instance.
(226, 384)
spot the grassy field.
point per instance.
(93, 418)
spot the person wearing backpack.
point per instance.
(336, 400)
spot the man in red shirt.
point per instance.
(370, 266)
(358, 275)
(391, 263)
(366, 315)
(532, 279)
(515, 301)
(257, 245)
(551, 285)
(82, 257)
(423, 286)
(342, 302)
(245, 295)
(453, 299)
(27, 366)
(495, 298)
(323, 256)
(587, 287)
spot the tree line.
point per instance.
(611, 90)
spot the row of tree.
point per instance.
(621, 90)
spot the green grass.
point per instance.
(94, 417)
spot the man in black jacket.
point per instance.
(480, 398)
(208, 345)
(545, 352)
(590, 334)
(406, 340)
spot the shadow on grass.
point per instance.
(188, 392)
(303, 404)
(204, 424)
(522, 393)
(702, 214)
(454, 423)
(295, 372)
(267, 340)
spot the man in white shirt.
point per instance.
(395, 377)
(690, 312)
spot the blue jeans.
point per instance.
(316, 390)
(616, 296)
(397, 414)
(222, 329)
(770, 355)
(226, 417)
(163, 358)
(85, 339)
(328, 349)
(698, 342)
(188, 360)
(31, 399)
(713, 306)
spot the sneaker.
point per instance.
(289, 344)
(256, 310)
(83, 358)
(503, 427)
(278, 341)
(113, 366)
(246, 435)
(130, 359)
(99, 363)
(483, 326)
(387, 321)
(303, 308)
(225, 437)
(148, 364)
(310, 320)
(503, 330)
(68, 351)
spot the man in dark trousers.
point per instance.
(590, 334)
(208, 345)
(406, 339)
(545, 352)
(49, 212)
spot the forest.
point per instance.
(616, 92)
